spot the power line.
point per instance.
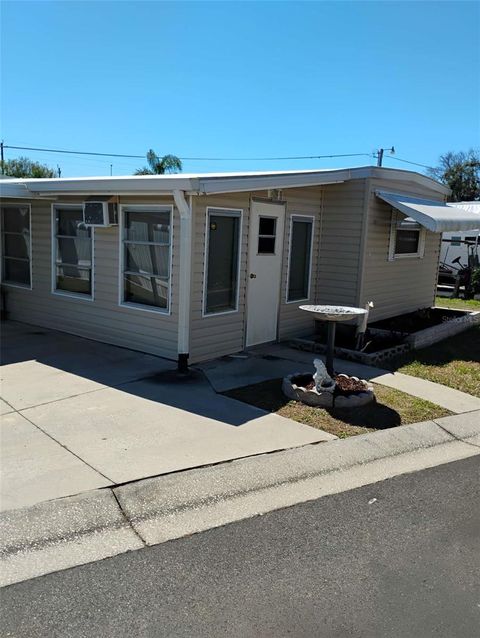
(408, 162)
(211, 159)
(56, 150)
(193, 159)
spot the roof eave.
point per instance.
(245, 184)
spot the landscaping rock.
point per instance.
(350, 392)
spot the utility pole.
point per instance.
(59, 171)
(380, 154)
(111, 169)
(1, 148)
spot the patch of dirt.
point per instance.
(347, 385)
(419, 320)
(345, 338)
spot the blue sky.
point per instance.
(250, 79)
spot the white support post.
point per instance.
(185, 278)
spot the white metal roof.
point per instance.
(472, 207)
(204, 183)
(435, 216)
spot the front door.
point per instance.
(265, 251)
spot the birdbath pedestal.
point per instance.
(332, 314)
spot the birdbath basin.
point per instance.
(332, 314)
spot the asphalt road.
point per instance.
(407, 564)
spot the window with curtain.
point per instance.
(16, 245)
(222, 261)
(299, 259)
(146, 256)
(72, 252)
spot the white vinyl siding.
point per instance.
(222, 333)
(306, 203)
(340, 246)
(16, 245)
(102, 319)
(397, 286)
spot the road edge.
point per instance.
(76, 530)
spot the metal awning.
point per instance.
(435, 216)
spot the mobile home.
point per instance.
(194, 266)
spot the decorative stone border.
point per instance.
(414, 341)
(369, 359)
(448, 328)
(325, 399)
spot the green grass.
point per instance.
(392, 408)
(457, 304)
(454, 362)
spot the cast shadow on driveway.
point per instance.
(41, 366)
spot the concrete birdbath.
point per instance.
(332, 314)
(324, 389)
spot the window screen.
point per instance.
(146, 257)
(16, 245)
(73, 252)
(299, 263)
(222, 262)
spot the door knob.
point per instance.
(253, 275)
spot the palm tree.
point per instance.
(160, 165)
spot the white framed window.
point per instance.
(222, 260)
(72, 252)
(299, 258)
(145, 257)
(16, 246)
(407, 238)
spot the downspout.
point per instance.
(185, 279)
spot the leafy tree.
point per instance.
(24, 167)
(461, 173)
(160, 165)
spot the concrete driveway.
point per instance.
(79, 415)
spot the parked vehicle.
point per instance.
(460, 257)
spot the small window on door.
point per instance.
(266, 235)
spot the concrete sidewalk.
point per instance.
(79, 415)
(277, 360)
(94, 525)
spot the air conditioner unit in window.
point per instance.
(99, 214)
